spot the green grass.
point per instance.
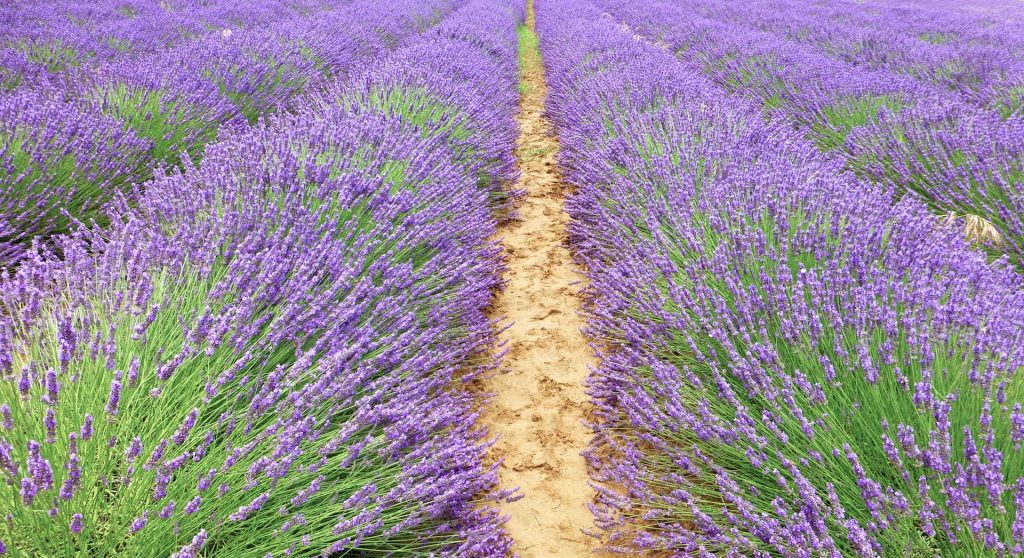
(937, 38)
(529, 54)
(835, 122)
(172, 126)
(55, 56)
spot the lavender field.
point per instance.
(494, 278)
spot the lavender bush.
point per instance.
(262, 355)
(796, 363)
(436, 87)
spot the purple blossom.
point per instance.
(74, 477)
(28, 491)
(134, 449)
(50, 422)
(115, 395)
(52, 388)
(185, 428)
(247, 510)
(167, 511)
(191, 550)
(140, 522)
(86, 431)
(193, 505)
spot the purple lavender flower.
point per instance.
(193, 505)
(185, 428)
(86, 431)
(52, 388)
(134, 449)
(50, 422)
(115, 396)
(191, 550)
(167, 511)
(73, 480)
(28, 491)
(140, 522)
(247, 510)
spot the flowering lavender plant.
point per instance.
(797, 363)
(262, 354)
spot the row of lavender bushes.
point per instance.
(57, 35)
(795, 362)
(911, 135)
(263, 354)
(73, 135)
(995, 11)
(975, 54)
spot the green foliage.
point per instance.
(835, 122)
(171, 124)
(1010, 102)
(936, 37)
(529, 55)
(55, 56)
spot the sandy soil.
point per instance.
(539, 401)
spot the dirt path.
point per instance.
(539, 399)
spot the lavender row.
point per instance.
(1001, 10)
(891, 129)
(263, 356)
(795, 364)
(979, 56)
(68, 145)
(59, 35)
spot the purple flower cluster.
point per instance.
(794, 361)
(262, 354)
(956, 140)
